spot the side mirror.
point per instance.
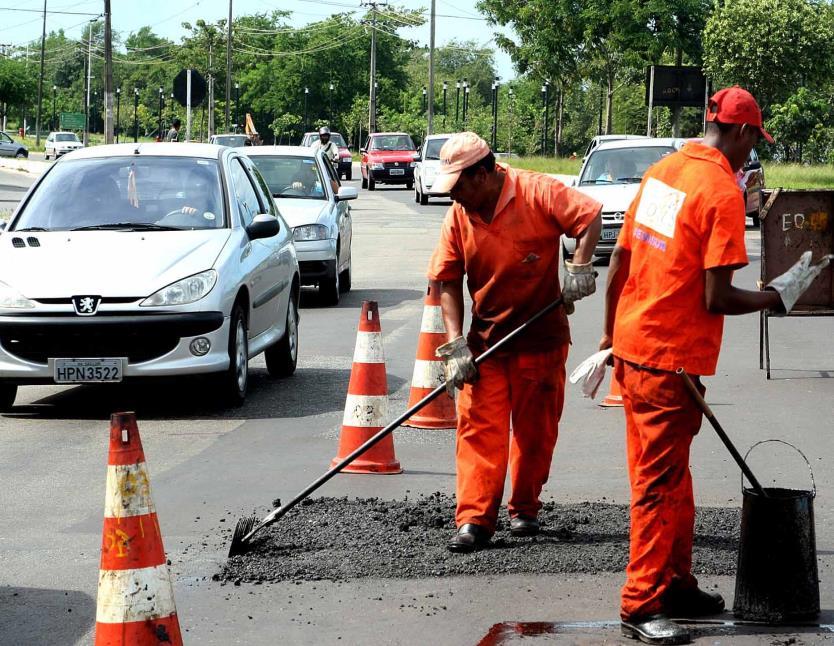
(264, 226)
(347, 193)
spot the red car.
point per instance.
(388, 158)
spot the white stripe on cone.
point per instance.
(368, 348)
(134, 595)
(365, 410)
(128, 491)
(432, 320)
(427, 374)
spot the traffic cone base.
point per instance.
(366, 405)
(135, 604)
(428, 369)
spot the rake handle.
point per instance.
(702, 404)
(434, 394)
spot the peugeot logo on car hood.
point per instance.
(86, 305)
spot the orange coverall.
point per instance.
(687, 218)
(512, 270)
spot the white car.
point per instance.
(426, 168)
(60, 143)
(149, 260)
(306, 188)
(611, 174)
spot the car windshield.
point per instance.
(234, 141)
(621, 165)
(292, 177)
(66, 136)
(128, 193)
(392, 142)
(337, 139)
(433, 147)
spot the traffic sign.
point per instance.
(198, 88)
(72, 121)
(676, 86)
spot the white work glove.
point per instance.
(458, 364)
(580, 281)
(591, 372)
(793, 283)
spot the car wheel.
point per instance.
(417, 195)
(349, 174)
(234, 382)
(424, 199)
(282, 357)
(8, 393)
(364, 182)
(45, 156)
(21, 154)
(344, 280)
(329, 287)
(409, 185)
(371, 184)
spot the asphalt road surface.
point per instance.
(209, 466)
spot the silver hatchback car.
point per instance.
(157, 260)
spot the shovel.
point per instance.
(246, 528)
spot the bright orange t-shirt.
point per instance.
(512, 263)
(688, 217)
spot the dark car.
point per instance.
(388, 158)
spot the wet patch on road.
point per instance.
(341, 539)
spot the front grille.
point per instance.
(396, 165)
(137, 345)
(112, 300)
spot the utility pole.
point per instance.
(374, 5)
(210, 126)
(431, 70)
(40, 80)
(228, 66)
(89, 77)
(108, 75)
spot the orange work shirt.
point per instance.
(688, 217)
(512, 263)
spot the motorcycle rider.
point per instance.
(330, 149)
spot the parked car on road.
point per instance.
(306, 189)
(345, 168)
(10, 148)
(388, 158)
(604, 139)
(611, 174)
(164, 260)
(60, 143)
(231, 140)
(426, 168)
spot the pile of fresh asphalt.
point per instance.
(341, 538)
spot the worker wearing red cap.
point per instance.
(669, 287)
(503, 233)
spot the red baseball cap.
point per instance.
(736, 105)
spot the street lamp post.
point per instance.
(161, 107)
(171, 101)
(330, 119)
(457, 103)
(93, 112)
(445, 88)
(237, 105)
(512, 121)
(495, 86)
(424, 100)
(136, 115)
(306, 93)
(465, 100)
(118, 110)
(54, 112)
(543, 144)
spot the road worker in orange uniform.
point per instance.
(669, 287)
(503, 233)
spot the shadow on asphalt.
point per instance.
(310, 298)
(311, 391)
(35, 616)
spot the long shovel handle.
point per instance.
(702, 404)
(434, 394)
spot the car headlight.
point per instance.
(378, 166)
(10, 298)
(185, 291)
(309, 232)
(413, 164)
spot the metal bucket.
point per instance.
(776, 578)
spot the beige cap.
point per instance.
(462, 150)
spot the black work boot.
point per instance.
(524, 526)
(655, 629)
(692, 603)
(470, 537)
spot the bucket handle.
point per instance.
(810, 470)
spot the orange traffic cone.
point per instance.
(135, 598)
(367, 400)
(428, 369)
(614, 398)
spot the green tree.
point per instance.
(794, 121)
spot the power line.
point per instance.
(39, 11)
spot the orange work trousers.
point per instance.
(524, 392)
(661, 421)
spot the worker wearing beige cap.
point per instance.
(503, 233)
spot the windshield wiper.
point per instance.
(630, 180)
(31, 229)
(131, 226)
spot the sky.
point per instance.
(456, 19)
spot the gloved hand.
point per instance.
(458, 364)
(591, 372)
(793, 283)
(580, 281)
